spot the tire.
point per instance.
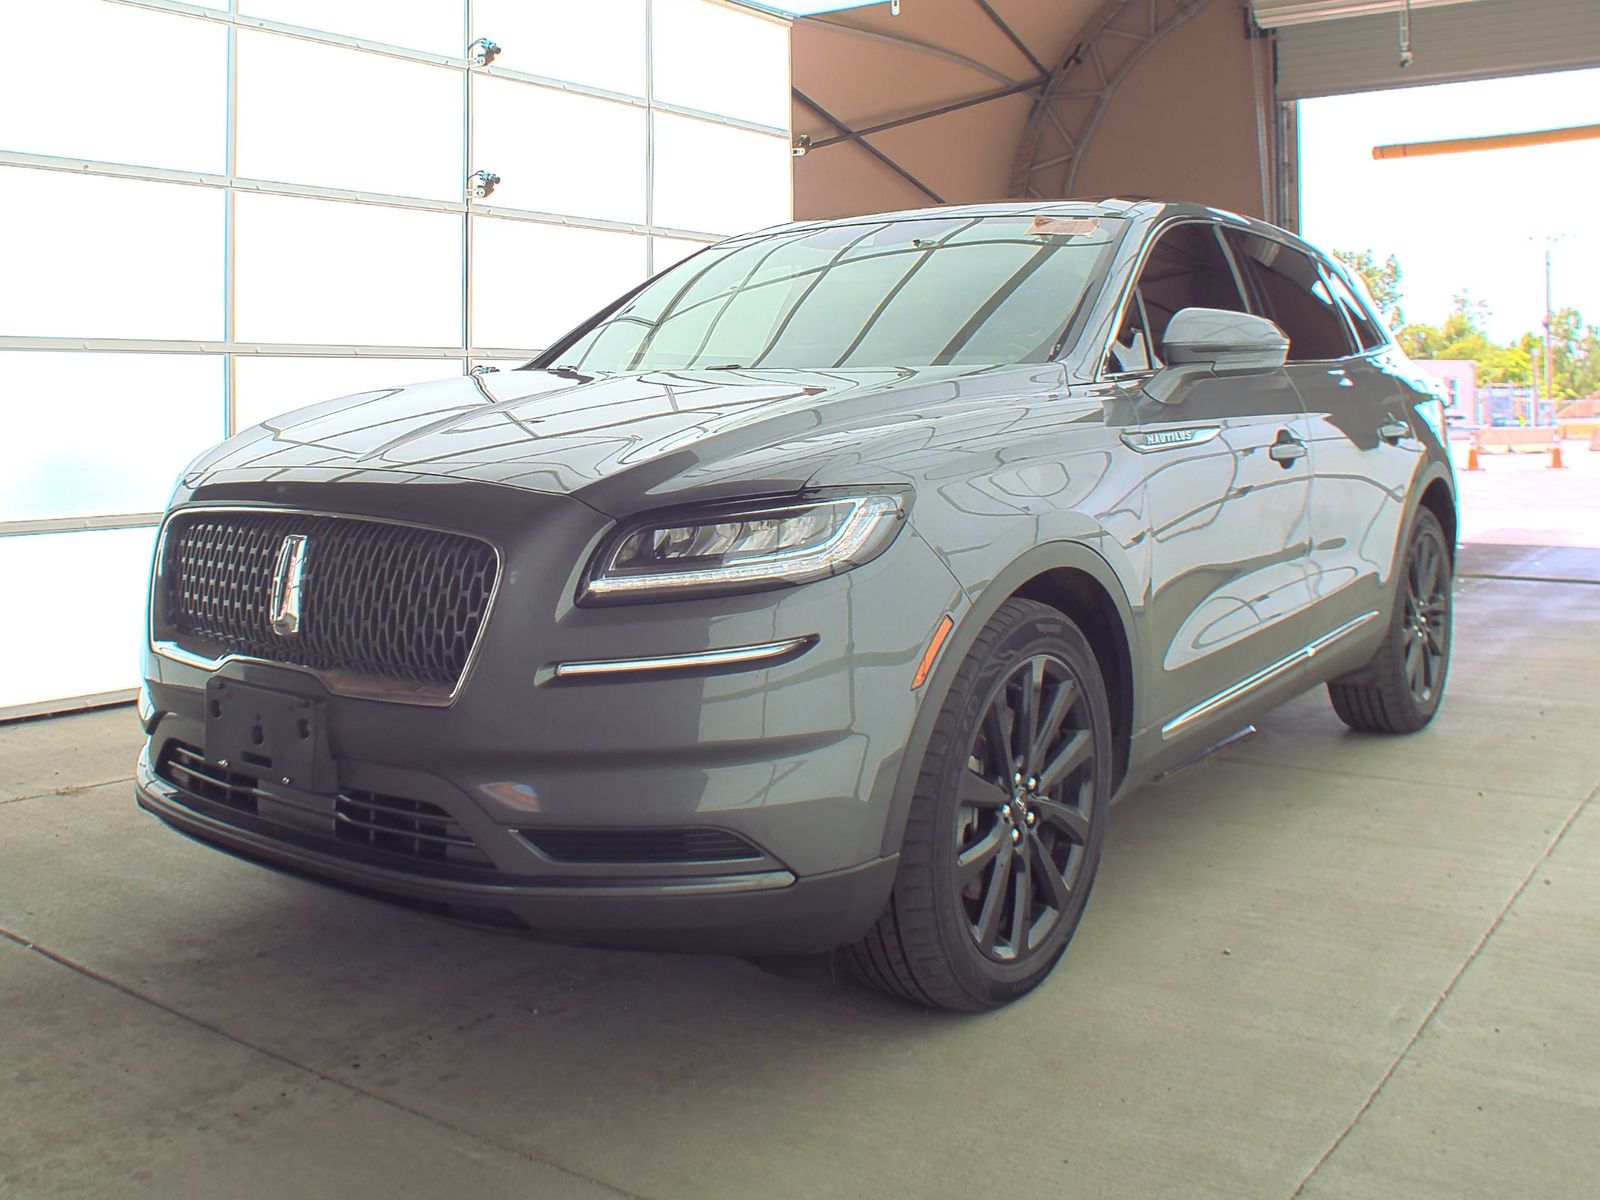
(1401, 688)
(975, 854)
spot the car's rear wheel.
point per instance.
(1005, 827)
(1400, 690)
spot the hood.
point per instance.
(623, 441)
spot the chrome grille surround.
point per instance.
(393, 610)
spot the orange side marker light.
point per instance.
(940, 633)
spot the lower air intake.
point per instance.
(687, 845)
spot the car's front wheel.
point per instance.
(1401, 688)
(1004, 832)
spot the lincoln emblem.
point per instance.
(287, 578)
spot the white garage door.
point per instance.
(1323, 51)
(214, 211)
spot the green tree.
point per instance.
(1462, 338)
(1506, 364)
(1466, 314)
(1586, 371)
(1382, 280)
(1574, 349)
(1421, 341)
(1574, 356)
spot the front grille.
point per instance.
(378, 600)
(371, 821)
(640, 845)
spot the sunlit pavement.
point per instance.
(1520, 499)
(1316, 964)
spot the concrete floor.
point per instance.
(1518, 499)
(1315, 965)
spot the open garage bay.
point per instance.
(1315, 964)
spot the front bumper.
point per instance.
(769, 912)
(799, 756)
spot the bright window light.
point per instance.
(107, 452)
(323, 272)
(534, 282)
(94, 257)
(340, 118)
(85, 630)
(85, 79)
(715, 179)
(599, 45)
(717, 59)
(417, 24)
(558, 152)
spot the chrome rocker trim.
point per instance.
(1265, 675)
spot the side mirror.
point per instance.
(1213, 341)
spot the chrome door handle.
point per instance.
(1393, 431)
(1287, 449)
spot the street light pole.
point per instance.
(1547, 386)
(1549, 326)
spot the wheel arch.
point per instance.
(1439, 498)
(1077, 581)
(1089, 602)
(1433, 491)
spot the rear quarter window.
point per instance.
(1368, 332)
(1296, 296)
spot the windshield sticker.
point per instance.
(1064, 226)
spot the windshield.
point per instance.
(930, 291)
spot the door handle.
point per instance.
(1287, 449)
(1393, 431)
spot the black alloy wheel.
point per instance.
(1427, 609)
(1007, 817)
(1401, 688)
(1027, 802)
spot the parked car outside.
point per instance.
(818, 595)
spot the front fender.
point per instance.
(969, 623)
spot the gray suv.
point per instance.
(817, 595)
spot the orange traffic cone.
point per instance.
(1472, 458)
(1555, 454)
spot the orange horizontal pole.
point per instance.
(1495, 141)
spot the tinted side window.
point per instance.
(1296, 297)
(1367, 332)
(1185, 269)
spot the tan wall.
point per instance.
(1181, 124)
(963, 157)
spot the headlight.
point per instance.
(744, 548)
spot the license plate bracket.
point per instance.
(281, 738)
